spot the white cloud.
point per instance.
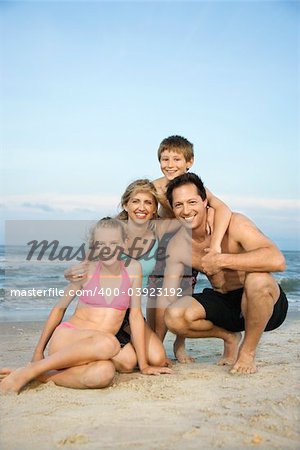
(279, 204)
(60, 203)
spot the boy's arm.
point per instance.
(165, 211)
(221, 220)
(137, 327)
(55, 317)
(260, 253)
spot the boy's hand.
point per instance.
(78, 272)
(150, 370)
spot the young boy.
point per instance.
(176, 157)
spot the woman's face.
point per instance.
(141, 207)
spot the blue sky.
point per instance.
(89, 89)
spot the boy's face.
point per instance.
(173, 164)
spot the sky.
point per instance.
(89, 89)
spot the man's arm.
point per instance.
(258, 254)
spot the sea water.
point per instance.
(34, 276)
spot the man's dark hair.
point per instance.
(186, 178)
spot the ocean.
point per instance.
(30, 288)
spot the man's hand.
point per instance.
(210, 262)
(78, 272)
(150, 370)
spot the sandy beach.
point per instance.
(200, 406)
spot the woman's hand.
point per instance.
(151, 370)
(78, 272)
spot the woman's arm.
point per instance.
(77, 272)
(221, 220)
(55, 317)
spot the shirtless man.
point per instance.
(244, 295)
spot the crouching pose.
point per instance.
(85, 351)
(244, 295)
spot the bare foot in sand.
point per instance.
(231, 348)
(180, 353)
(14, 381)
(245, 364)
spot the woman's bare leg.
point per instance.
(155, 350)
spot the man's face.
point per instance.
(188, 206)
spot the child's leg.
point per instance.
(125, 361)
(96, 347)
(93, 375)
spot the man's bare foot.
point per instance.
(245, 364)
(180, 353)
(231, 348)
(14, 381)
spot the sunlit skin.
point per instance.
(87, 353)
(141, 207)
(246, 261)
(173, 164)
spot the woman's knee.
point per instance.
(157, 356)
(99, 375)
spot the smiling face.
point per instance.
(189, 207)
(173, 164)
(141, 207)
(108, 242)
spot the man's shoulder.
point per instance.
(238, 218)
(178, 242)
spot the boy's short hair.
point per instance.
(178, 144)
(186, 178)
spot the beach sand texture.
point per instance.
(200, 406)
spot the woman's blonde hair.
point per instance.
(142, 185)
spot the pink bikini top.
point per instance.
(94, 295)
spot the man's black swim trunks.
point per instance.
(224, 310)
